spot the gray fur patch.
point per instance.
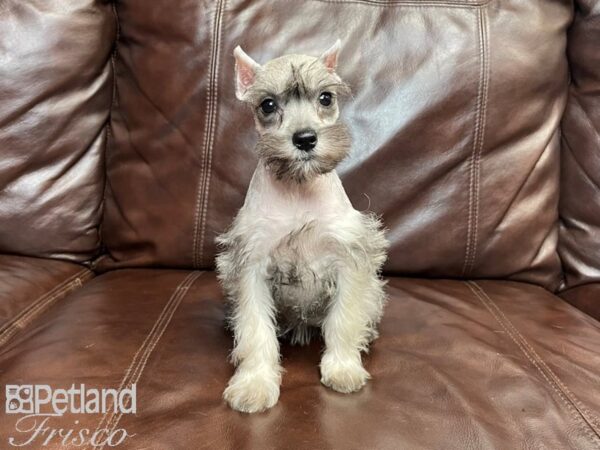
(302, 289)
(334, 145)
(300, 293)
(294, 77)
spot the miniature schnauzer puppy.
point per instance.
(298, 257)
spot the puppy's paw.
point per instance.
(343, 376)
(252, 391)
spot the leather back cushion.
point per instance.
(454, 117)
(55, 92)
(580, 182)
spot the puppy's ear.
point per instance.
(330, 56)
(245, 72)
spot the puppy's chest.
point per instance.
(302, 273)
(302, 231)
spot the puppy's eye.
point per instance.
(325, 98)
(268, 106)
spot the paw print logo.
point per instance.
(19, 399)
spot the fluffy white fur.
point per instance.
(298, 255)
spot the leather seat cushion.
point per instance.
(458, 365)
(29, 286)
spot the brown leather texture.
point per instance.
(55, 94)
(585, 297)
(30, 286)
(476, 129)
(580, 161)
(487, 364)
(455, 120)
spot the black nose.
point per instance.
(305, 140)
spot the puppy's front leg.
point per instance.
(255, 385)
(348, 328)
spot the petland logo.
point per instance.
(40, 404)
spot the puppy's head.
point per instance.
(295, 103)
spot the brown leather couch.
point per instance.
(476, 129)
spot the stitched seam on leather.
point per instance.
(113, 56)
(75, 283)
(580, 421)
(145, 344)
(211, 106)
(486, 77)
(212, 134)
(577, 411)
(555, 377)
(40, 298)
(199, 189)
(142, 355)
(32, 311)
(478, 135)
(177, 298)
(412, 3)
(199, 192)
(471, 156)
